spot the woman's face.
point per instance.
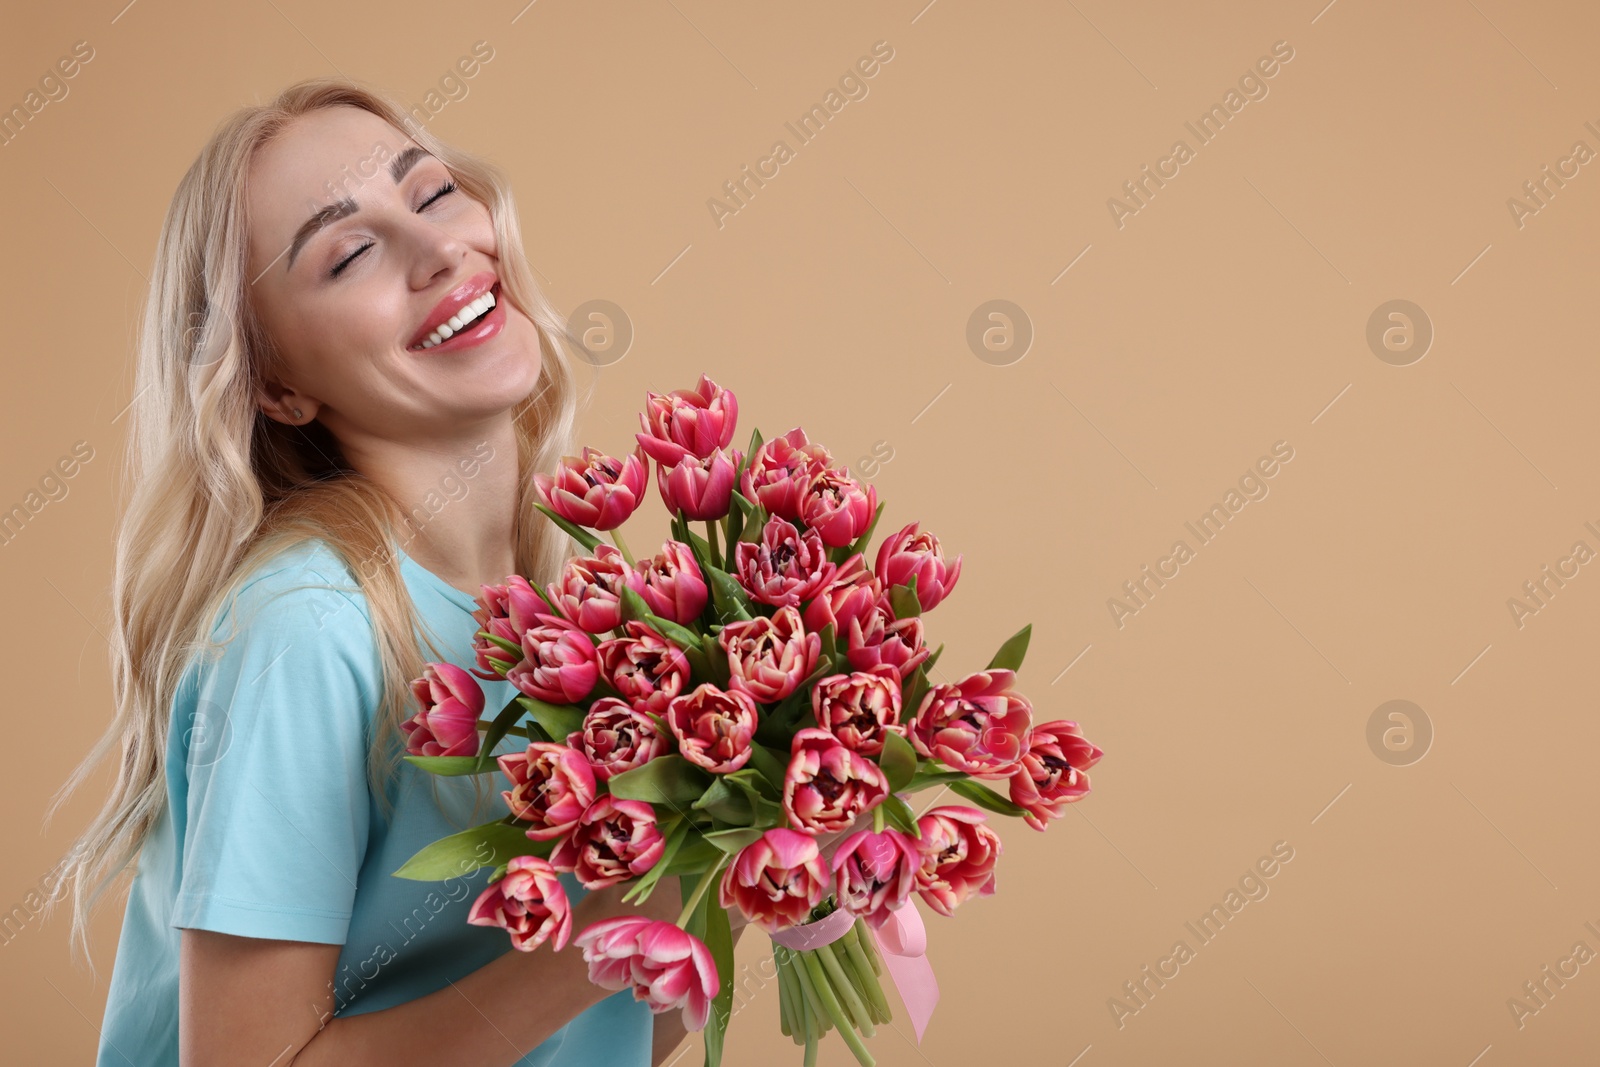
(345, 301)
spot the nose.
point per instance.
(436, 252)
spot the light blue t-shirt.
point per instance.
(271, 831)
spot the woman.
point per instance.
(320, 482)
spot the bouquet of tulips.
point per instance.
(725, 710)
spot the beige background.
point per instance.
(1229, 313)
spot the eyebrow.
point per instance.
(345, 206)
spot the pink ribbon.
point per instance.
(902, 942)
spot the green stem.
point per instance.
(861, 983)
(830, 1004)
(520, 731)
(711, 539)
(808, 992)
(622, 546)
(700, 888)
(865, 970)
(877, 819)
(845, 990)
(799, 1014)
(812, 1024)
(785, 1011)
(868, 946)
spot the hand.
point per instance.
(664, 903)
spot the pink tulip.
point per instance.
(826, 786)
(506, 611)
(589, 591)
(786, 567)
(701, 488)
(910, 552)
(671, 583)
(860, 707)
(715, 729)
(644, 667)
(617, 738)
(529, 902)
(595, 490)
(688, 422)
(776, 880)
(979, 725)
(836, 507)
(780, 471)
(1051, 774)
(559, 663)
(614, 840)
(447, 724)
(666, 966)
(853, 593)
(875, 873)
(551, 787)
(769, 657)
(878, 637)
(958, 857)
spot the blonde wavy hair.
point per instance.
(216, 487)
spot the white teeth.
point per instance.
(464, 317)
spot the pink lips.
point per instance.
(458, 298)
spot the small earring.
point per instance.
(297, 413)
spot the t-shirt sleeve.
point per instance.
(277, 798)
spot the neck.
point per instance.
(458, 501)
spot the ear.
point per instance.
(280, 402)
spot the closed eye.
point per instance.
(444, 190)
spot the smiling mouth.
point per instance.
(465, 320)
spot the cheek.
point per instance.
(338, 345)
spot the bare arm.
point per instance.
(257, 1000)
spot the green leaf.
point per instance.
(502, 722)
(454, 766)
(452, 856)
(898, 761)
(500, 666)
(557, 720)
(770, 764)
(734, 839)
(923, 779)
(903, 600)
(724, 800)
(715, 658)
(718, 937)
(670, 780)
(830, 645)
(755, 446)
(588, 540)
(500, 642)
(728, 596)
(985, 797)
(918, 688)
(741, 798)
(1010, 655)
(899, 815)
(634, 607)
(695, 856)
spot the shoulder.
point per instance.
(301, 602)
(292, 633)
(308, 581)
